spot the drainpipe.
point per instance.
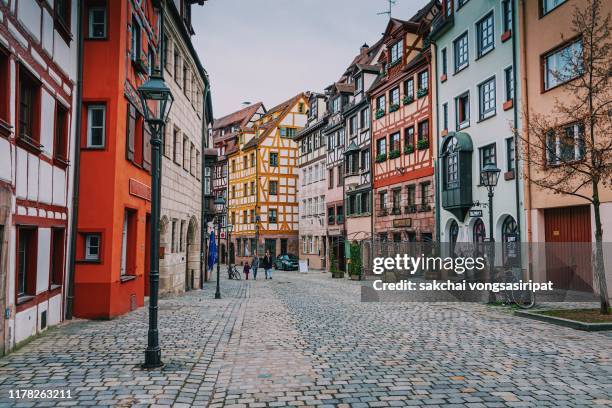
(515, 118)
(203, 220)
(76, 166)
(436, 162)
(525, 98)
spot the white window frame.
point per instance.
(90, 22)
(90, 109)
(88, 255)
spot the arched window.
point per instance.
(479, 233)
(451, 173)
(453, 233)
(509, 230)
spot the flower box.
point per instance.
(408, 99)
(393, 107)
(422, 92)
(380, 113)
(394, 154)
(423, 144)
(381, 157)
(408, 149)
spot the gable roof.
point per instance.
(240, 118)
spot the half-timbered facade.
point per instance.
(113, 236)
(226, 135)
(338, 95)
(263, 177)
(402, 150)
(312, 155)
(38, 74)
(184, 141)
(357, 115)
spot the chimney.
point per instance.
(364, 48)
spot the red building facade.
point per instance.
(112, 252)
(402, 147)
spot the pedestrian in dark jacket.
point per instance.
(267, 264)
(246, 269)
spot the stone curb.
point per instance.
(559, 321)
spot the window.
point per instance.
(396, 52)
(182, 236)
(62, 16)
(176, 141)
(486, 95)
(507, 15)
(394, 97)
(409, 88)
(136, 39)
(245, 190)
(273, 159)
(97, 22)
(394, 142)
(409, 136)
(563, 65)
(199, 170)
(131, 130)
(128, 243)
(565, 144)
(509, 81)
(460, 47)
(96, 126)
(92, 247)
(510, 154)
(58, 238)
(252, 159)
(340, 214)
(485, 39)
(411, 194)
(272, 216)
(444, 62)
(424, 131)
(380, 103)
(448, 7)
(173, 237)
(27, 251)
(479, 232)
(287, 132)
(382, 200)
(423, 80)
(549, 5)
(381, 146)
(340, 176)
(252, 188)
(336, 104)
(364, 204)
(177, 66)
(330, 178)
(445, 116)
(245, 216)
(352, 125)
(5, 80)
(331, 215)
(397, 193)
(365, 160)
(452, 170)
(29, 102)
(273, 187)
(425, 193)
(462, 109)
(487, 155)
(359, 83)
(60, 150)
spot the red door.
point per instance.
(568, 249)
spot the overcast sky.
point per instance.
(270, 50)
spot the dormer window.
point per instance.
(359, 83)
(336, 104)
(396, 52)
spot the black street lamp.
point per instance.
(156, 99)
(489, 175)
(220, 207)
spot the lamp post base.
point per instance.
(152, 358)
(217, 296)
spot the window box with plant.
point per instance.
(394, 154)
(393, 107)
(141, 63)
(423, 144)
(380, 113)
(408, 149)
(422, 92)
(410, 209)
(408, 99)
(381, 157)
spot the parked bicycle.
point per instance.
(234, 273)
(523, 298)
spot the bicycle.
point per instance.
(523, 298)
(234, 273)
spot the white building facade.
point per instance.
(38, 75)
(185, 138)
(476, 111)
(312, 155)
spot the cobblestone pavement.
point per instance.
(306, 340)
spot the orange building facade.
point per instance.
(112, 252)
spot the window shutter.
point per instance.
(131, 130)
(146, 146)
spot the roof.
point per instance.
(241, 117)
(267, 127)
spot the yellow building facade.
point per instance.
(263, 182)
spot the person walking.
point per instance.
(255, 265)
(246, 270)
(267, 264)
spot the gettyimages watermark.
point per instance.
(480, 272)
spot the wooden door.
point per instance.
(568, 252)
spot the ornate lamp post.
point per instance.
(489, 176)
(156, 100)
(220, 207)
(228, 229)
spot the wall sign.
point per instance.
(402, 222)
(475, 213)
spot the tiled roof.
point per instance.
(240, 118)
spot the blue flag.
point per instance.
(212, 251)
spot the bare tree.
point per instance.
(570, 147)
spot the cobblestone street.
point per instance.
(308, 340)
